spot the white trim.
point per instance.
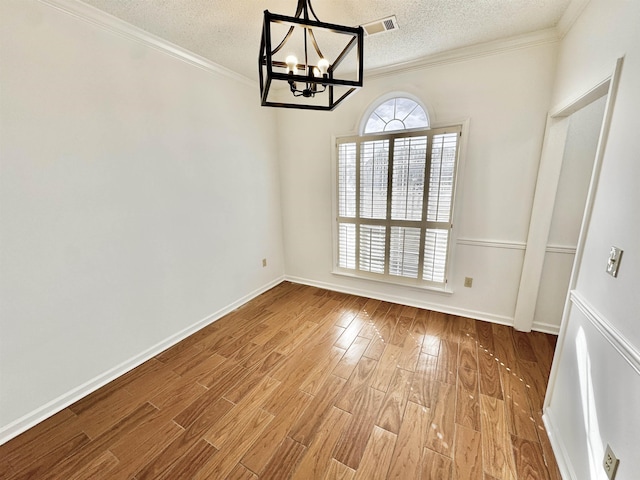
(462, 312)
(390, 96)
(559, 450)
(546, 328)
(400, 281)
(477, 242)
(112, 24)
(334, 199)
(119, 27)
(617, 340)
(551, 160)
(457, 201)
(571, 14)
(27, 421)
(541, 37)
(430, 131)
(613, 82)
(553, 146)
(575, 104)
(564, 249)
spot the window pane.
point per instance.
(347, 245)
(396, 114)
(404, 251)
(374, 165)
(372, 243)
(407, 190)
(347, 180)
(443, 158)
(374, 124)
(417, 119)
(394, 126)
(386, 111)
(435, 254)
(405, 107)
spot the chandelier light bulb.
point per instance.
(292, 63)
(323, 66)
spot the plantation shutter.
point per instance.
(395, 199)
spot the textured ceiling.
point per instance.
(227, 32)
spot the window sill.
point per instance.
(447, 291)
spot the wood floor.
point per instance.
(304, 383)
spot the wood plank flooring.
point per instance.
(304, 383)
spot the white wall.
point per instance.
(594, 399)
(138, 196)
(506, 97)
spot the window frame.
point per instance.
(444, 288)
(376, 106)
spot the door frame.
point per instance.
(551, 160)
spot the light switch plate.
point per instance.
(615, 254)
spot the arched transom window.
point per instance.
(399, 113)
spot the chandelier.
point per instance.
(309, 77)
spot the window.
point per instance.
(395, 197)
(396, 114)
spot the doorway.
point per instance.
(581, 143)
(588, 116)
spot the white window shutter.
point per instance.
(374, 171)
(395, 200)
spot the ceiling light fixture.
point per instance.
(312, 78)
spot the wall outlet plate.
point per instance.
(610, 463)
(468, 282)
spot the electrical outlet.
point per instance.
(468, 282)
(264, 262)
(610, 463)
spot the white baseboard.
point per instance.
(546, 328)
(462, 312)
(559, 451)
(27, 421)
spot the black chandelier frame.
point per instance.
(313, 82)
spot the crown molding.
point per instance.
(494, 47)
(114, 25)
(571, 14)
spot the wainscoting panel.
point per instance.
(594, 399)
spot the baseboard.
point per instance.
(562, 457)
(462, 312)
(546, 328)
(27, 421)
